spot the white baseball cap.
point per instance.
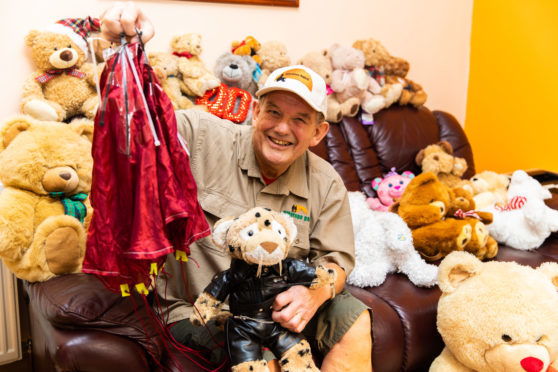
(301, 81)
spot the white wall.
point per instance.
(433, 35)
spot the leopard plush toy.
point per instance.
(258, 242)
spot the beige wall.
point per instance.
(433, 35)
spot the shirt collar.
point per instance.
(294, 180)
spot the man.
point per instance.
(268, 164)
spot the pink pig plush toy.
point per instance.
(389, 188)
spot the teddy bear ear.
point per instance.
(446, 146)
(456, 268)
(408, 174)
(220, 230)
(13, 127)
(83, 127)
(376, 183)
(420, 157)
(394, 208)
(550, 270)
(174, 41)
(31, 37)
(250, 61)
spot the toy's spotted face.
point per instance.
(259, 236)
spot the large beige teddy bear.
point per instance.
(165, 66)
(196, 77)
(45, 168)
(63, 85)
(273, 55)
(497, 316)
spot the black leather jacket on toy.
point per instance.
(251, 295)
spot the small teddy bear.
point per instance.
(490, 188)
(46, 170)
(438, 158)
(273, 55)
(63, 85)
(389, 188)
(165, 67)
(497, 316)
(196, 77)
(258, 242)
(526, 221)
(247, 47)
(319, 62)
(383, 245)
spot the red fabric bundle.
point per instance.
(143, 193)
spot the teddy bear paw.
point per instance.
(62, 251)
(440, 205)
(464, 237)
(40, 110)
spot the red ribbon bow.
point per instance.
(461, 215)
(517, 202)
(50, 74)
(183, 54)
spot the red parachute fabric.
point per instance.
(143, 194)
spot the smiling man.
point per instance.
(268, 164)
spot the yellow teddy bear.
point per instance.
(63, 85)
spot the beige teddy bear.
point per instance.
(196, 77)
(165, 66)
(497, 316)
(438, 158)
(46, 169)
(64, 83)
(273, 55)
(490, 188)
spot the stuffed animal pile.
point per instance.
(497, 316)
(526, 221)
(383, 245)
(46, 169)
(258, 242)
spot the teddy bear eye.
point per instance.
(55, 48)
(70, 46)
(401, 182)
(390, 185)
(506, 338)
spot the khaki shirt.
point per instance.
(229, 183)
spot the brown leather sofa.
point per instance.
(77, 325)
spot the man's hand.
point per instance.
(125, 17)
(294, 308)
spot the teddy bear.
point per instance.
(247, 47)
(350, 81)
(438, 158)
(273, 55)
(383, 245)
(46, 170)
(196, 77)
(389, 188)
(236, 71)
(391, 73)
(497, 316)
(63, 84)
(165, 67)
(526, 221)
(320, 63)
(425, 206)
(258, 242)
(490, 188)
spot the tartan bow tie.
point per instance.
(461, 215)
(50, 74)
(73, 204)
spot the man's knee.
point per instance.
(359, 334)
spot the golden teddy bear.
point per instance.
(196, 77)
(273, 55)
(438, 158)
(46, 170)
(63, 85)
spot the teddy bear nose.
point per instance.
(233, 66)
(397, 187)
(436, 158)
(65, 176)
(66, 55)
(269, 246)
(531, 364)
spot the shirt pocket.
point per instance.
(301, 245)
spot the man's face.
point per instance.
(284, 127)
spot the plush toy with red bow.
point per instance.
(63, 85)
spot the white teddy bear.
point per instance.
(526, 221)
(383, 245)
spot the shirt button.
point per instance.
(260, 310)
(265, 270)
(297, 241)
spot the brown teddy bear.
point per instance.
(424, 206)
(63, 85)
(490, 188)
(391, 72)
(165, 66)
(196, 77)
(273, 55)
(46, 170)
(438, 158)
(258, 242)
(320, 63)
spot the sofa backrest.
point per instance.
(361, 153)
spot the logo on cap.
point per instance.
(296, 74)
